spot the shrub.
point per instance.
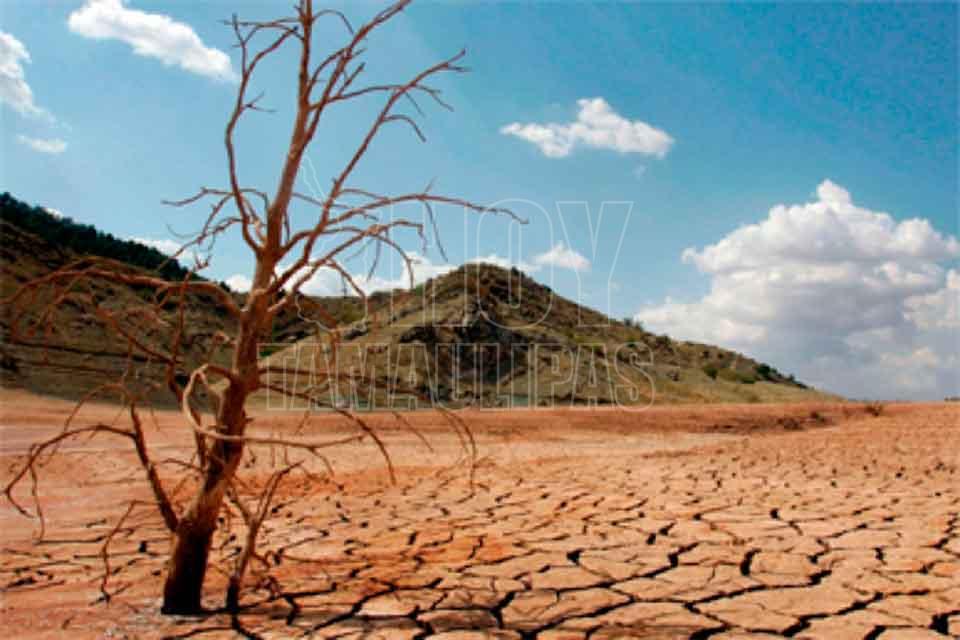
(269, 349)
(874, 408)
(732, 375)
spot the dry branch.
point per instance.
(285, 259)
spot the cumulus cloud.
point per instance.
(830, 233)
(563, 257)
(239, 283)
(328, 282)
(839, 294)
(598, 126)
(938, 310)
(165, 246)
(14, 90)
(56, 213)
(424, 269)
(506, 263)
(43, 145)
(152, 35)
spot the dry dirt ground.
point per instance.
(678, 522)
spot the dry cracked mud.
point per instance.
(707, 522)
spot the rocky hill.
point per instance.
(491, 337)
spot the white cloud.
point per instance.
(597, 125)
(829, 233)
(564, 257)
(239, 283)
(42, 145)
(56, 213)
(14, 90)
(423, 269)
(151, 35)
(166, 246)
(505, 263)
(938, 310)
(829, 191)
(833, 292)
(328, 282)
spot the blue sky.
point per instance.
(761, 103)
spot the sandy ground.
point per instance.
(678, 522)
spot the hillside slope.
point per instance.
(74, 352)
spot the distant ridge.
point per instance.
(84, 239)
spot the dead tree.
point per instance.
(347, 218)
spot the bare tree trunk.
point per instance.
(187, 565)
(350, 215)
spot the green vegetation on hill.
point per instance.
(85, 239)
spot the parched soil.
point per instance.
(678, 522)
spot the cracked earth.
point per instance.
(680, 522)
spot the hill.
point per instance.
(78, 353)
(486, 336)
(82, 239)
(479, 335)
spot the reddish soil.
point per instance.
(728, 521)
